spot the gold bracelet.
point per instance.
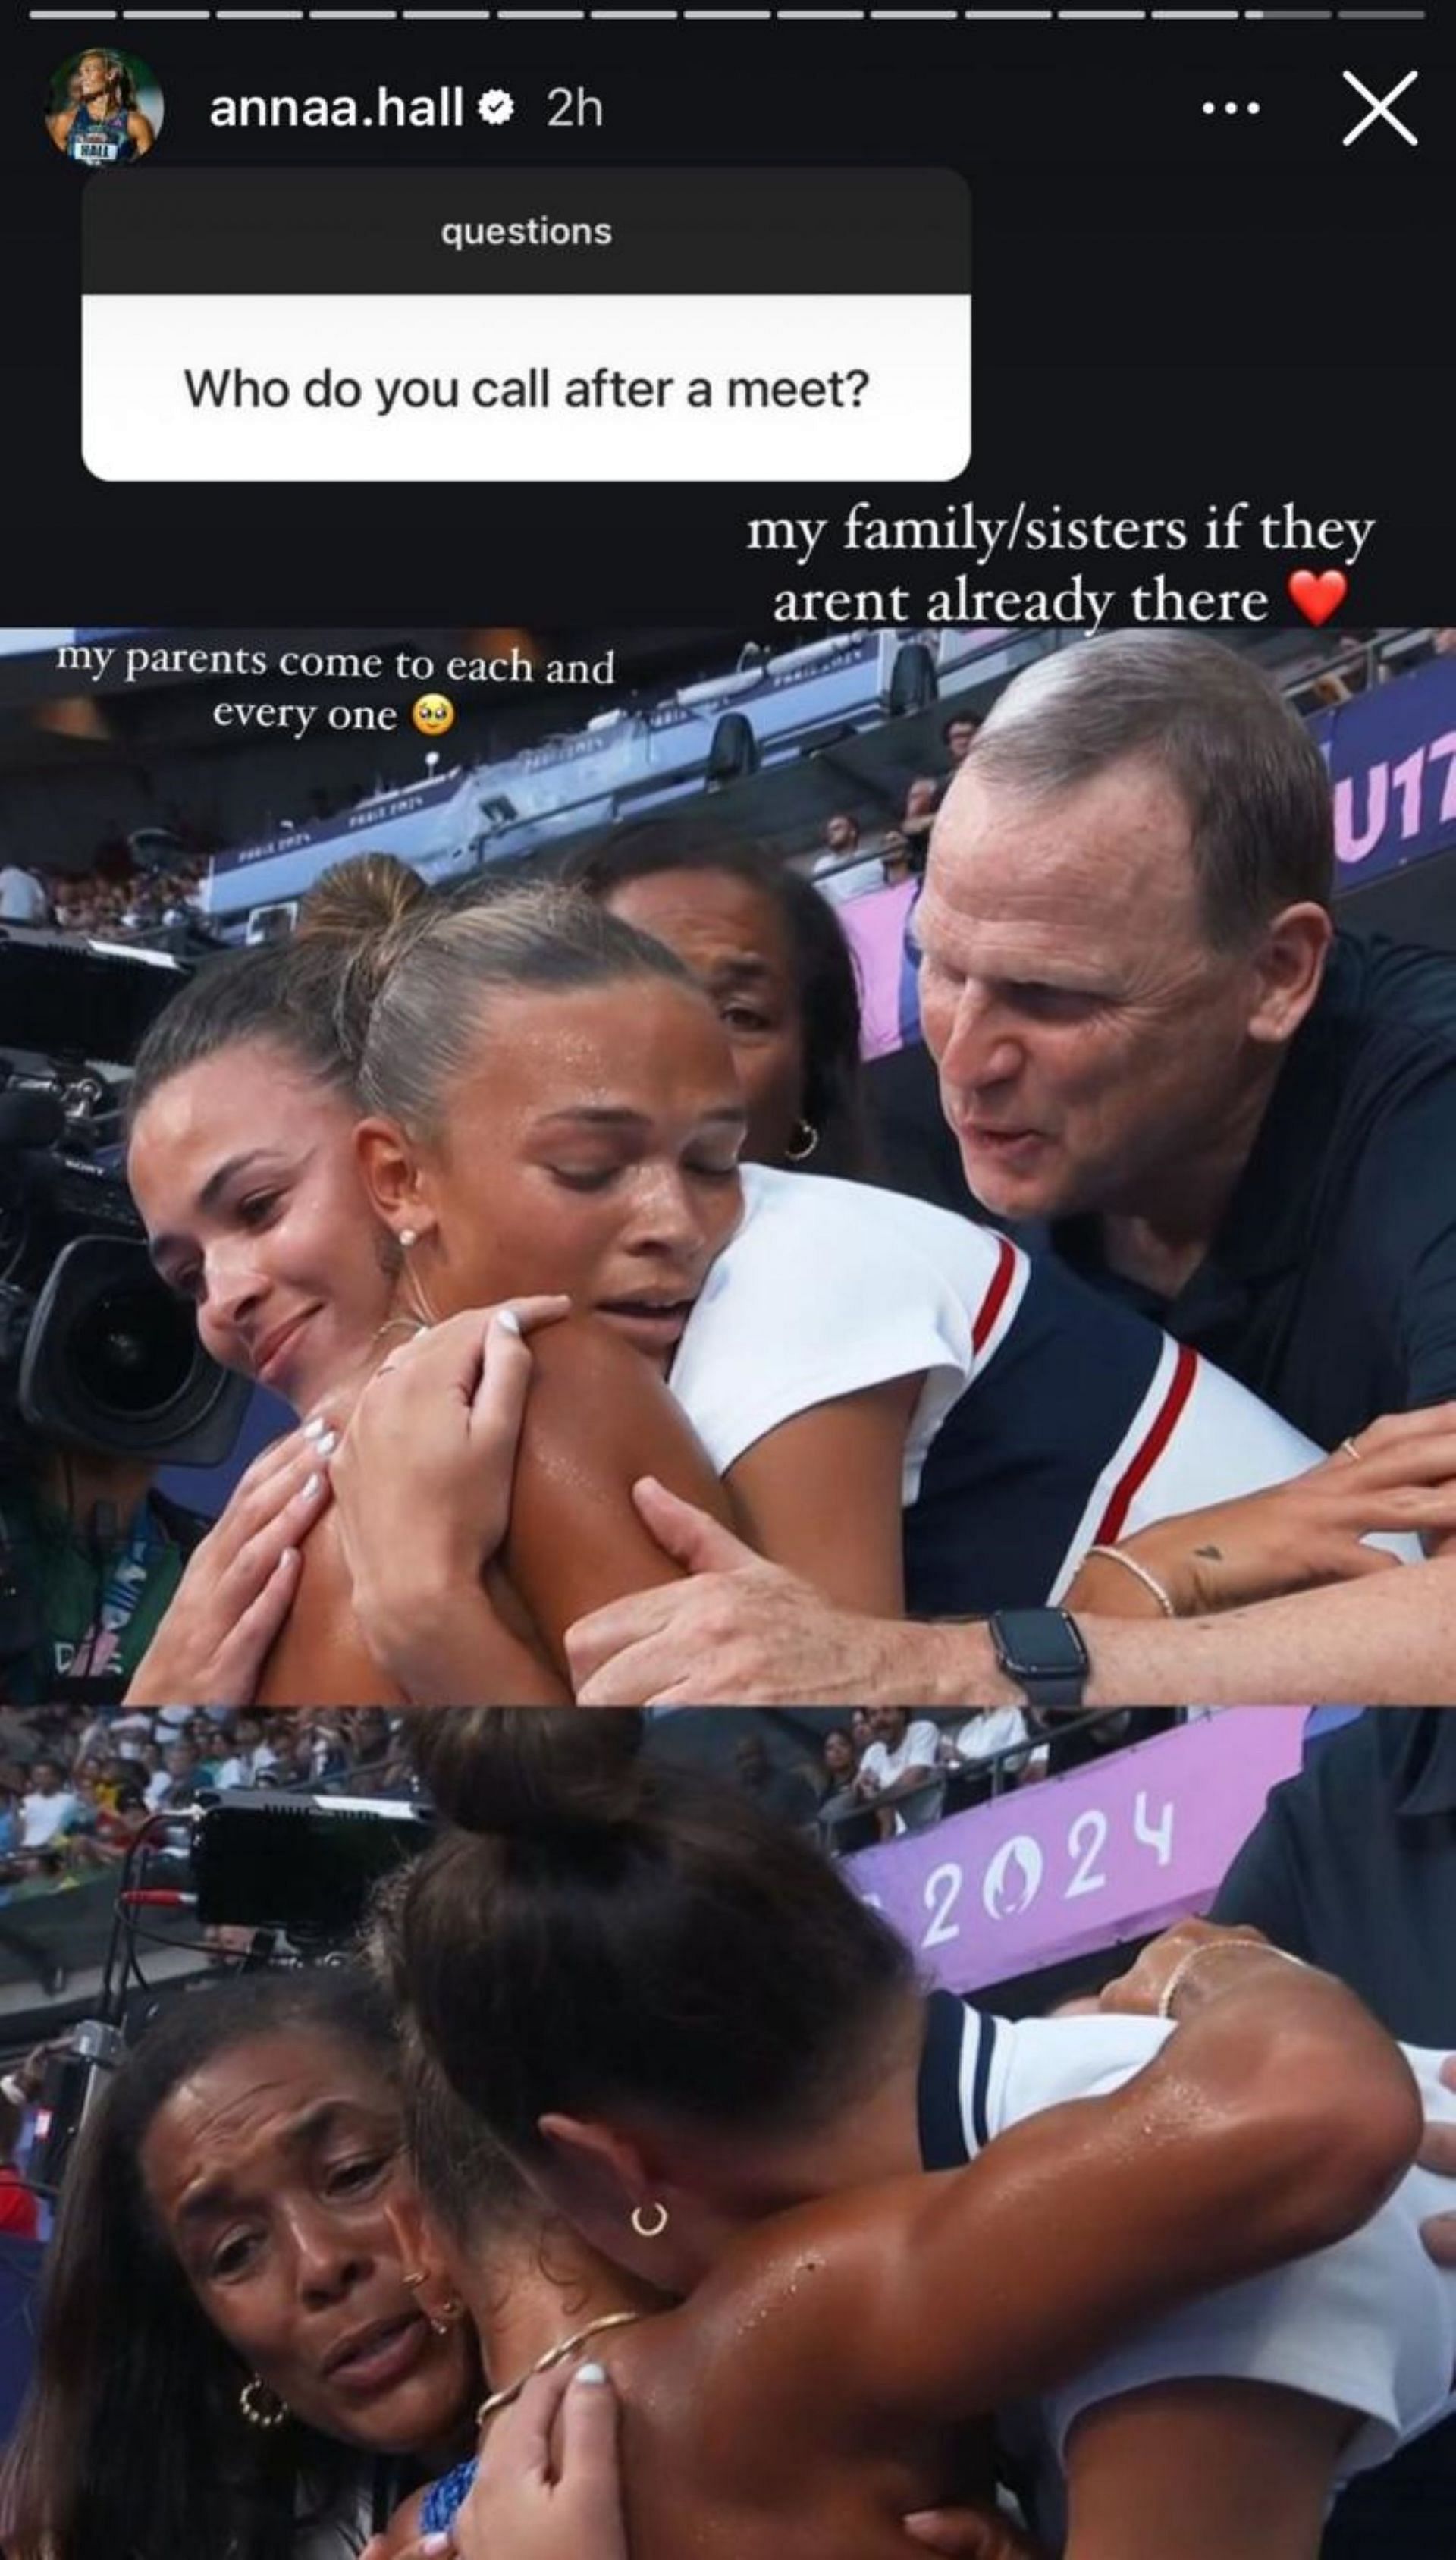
(1130, 1565)
(1215, 1947)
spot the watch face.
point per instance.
(1039, 1643)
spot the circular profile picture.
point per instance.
(104, 108)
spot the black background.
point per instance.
(1168, 307)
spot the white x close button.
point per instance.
(1379, 109)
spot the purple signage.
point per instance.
(1392, 755)
(1104, 1854)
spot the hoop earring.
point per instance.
(803, 1140)
(250, 2400)
(649, 2221)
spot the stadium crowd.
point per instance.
(886, 1771)
(139, 906)
(850, 864)
(78, 1784)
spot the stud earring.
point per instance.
(409, 1235)
(649, 2221)
(253, 2401)
(443, 2320)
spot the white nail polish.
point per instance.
(314, 1488)
(508, 1321)
(328, 1444)
(315, 1429)
(589, 2373)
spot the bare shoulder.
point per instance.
(319, 1658)
(584, 1351)
(598, 1407)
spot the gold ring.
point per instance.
(1353, 1450)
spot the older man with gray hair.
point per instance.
(1148, 1032)
(1150, 1037)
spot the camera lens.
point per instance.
(132, 1351)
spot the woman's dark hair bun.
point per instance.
(532, 1773)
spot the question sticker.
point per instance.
(616, 325)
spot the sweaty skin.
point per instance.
(598, 1416)
(816, 2387)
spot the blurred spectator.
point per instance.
(841, 1762)
(959, 736)
(19, 2211)
(50, 1808)
(1443, 643)
(210, 1735)
(320, 1750)
(251, 1756)
(897, 1771)
(116, 1824)
(162, 908)
(898, 861)
(837, 874)
(922, 800)
(369, 1739)
(178, 1780)
(112, 856)
(23, 899)
(967, 1755)
(789, 1795)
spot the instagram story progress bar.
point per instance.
(590, 325)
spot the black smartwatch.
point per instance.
(1043, 1652)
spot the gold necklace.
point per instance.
(395, 1325)
(554, 2355)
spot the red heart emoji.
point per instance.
(1318, 592)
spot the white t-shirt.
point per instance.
(244, 1768)
(22, 899)
(41, 1817)
(1369, 2324)
(1049, 1418)
(917, 1748)
(843, 876)
(997, 1728)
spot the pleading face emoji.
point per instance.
(434, 715)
